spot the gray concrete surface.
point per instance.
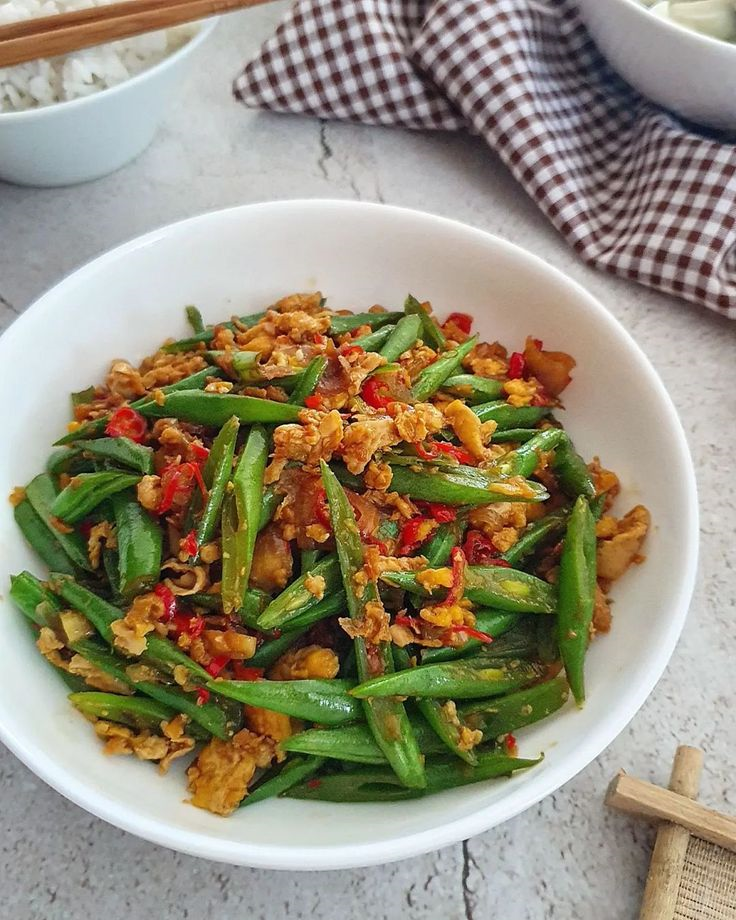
(57, 862)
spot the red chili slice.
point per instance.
(189, 544)
(178, 480)
(414, 533)
(199, 451)
(517, 366)
(478, 548)
(374, 392)
(509, 743)
(127, 423)
(443, 514)
(169, 600)
(313, 402)
(186, 624)
(471, 633)
(203, 696)
(459, 562)
(463, 321)
(217, 664)
(431, 449)
(346, 350)
(242, 672)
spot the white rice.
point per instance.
(44, 82)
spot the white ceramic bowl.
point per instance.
(235, 261)
(89, 137)
(682, 70)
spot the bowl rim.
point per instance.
(677, 28)
(276, 856)
(206, 27)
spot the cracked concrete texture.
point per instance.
(566, 857)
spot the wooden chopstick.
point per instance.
(50, 36)
(636, 797)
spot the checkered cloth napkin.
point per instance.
(632, 189)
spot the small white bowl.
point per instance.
(128, 301)
(689, 73)
(89, 137)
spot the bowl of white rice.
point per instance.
(83, 115)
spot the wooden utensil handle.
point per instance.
(668, 859)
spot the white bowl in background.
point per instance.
(684, 71)
(127, 301)
(89, 137)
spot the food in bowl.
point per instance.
(45, 82)
(347, 554)
(716, 18)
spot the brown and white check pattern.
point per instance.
(634, 191)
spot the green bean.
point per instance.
(215, 409)
(383, 786)
(194, 318)
(217, 472)
(96, 427)
(296, 599)
(342, 324)
(33, 599)
(492, 586)
(548, 648)
(61, 460)
(248, 499)
(245, 365)
(404, 337)
(210, 601)
(323, 701)
(572, 472)
(537, 534)
(386, 719)
(441, 716)
(101, 614)
(294, 771)
(517, 710)
(42, 494)
(472, 388)
(83, 397)
(374, 340)
(273, 649)
(444, 540)
(207, 714)
(208, 334)
(120, 450)
(506, 416)
(577, 584)
(139, 546)
(430, 379)
(463, 680)
(269, 503)
(461, 485)
(493, 623)
(309, 380)
(525, 459)
(42, 539)
(137, 712)
(597, 506)
(87, 490)
(518, 643)
(431, 332)
(253, 605)
(503, 435)
(355, 743)
(308, 558)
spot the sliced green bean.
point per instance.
(444, 540)
(373, 341)
(33, 599)
(387, 719)
(383, 786)
(297, 599)
(61, 461)
(517, 710)
(309, 380)
(41, 539)
(504, 435)
(473, 388)
(577, 584)
(139, 546)
(355, 743)
(137, 712)
(492, 586)
(207, 335)
(524, 460)
(461, 485)
(404, 337)
(537, 534)
(96, 427)
(339, 325)
(88, 490)
(216, 408)
(41, 493)
(120, 450)
(431, 332)
(293, 772)
(323, 701)
(492, 622)
(269, 503)
(572, 472)
(430, 379)
(308, 558)
(217, 472)
(507, 416)
(463, 680)
(194, 318)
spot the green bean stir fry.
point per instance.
(325, 555)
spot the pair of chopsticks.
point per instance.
(53, 35)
